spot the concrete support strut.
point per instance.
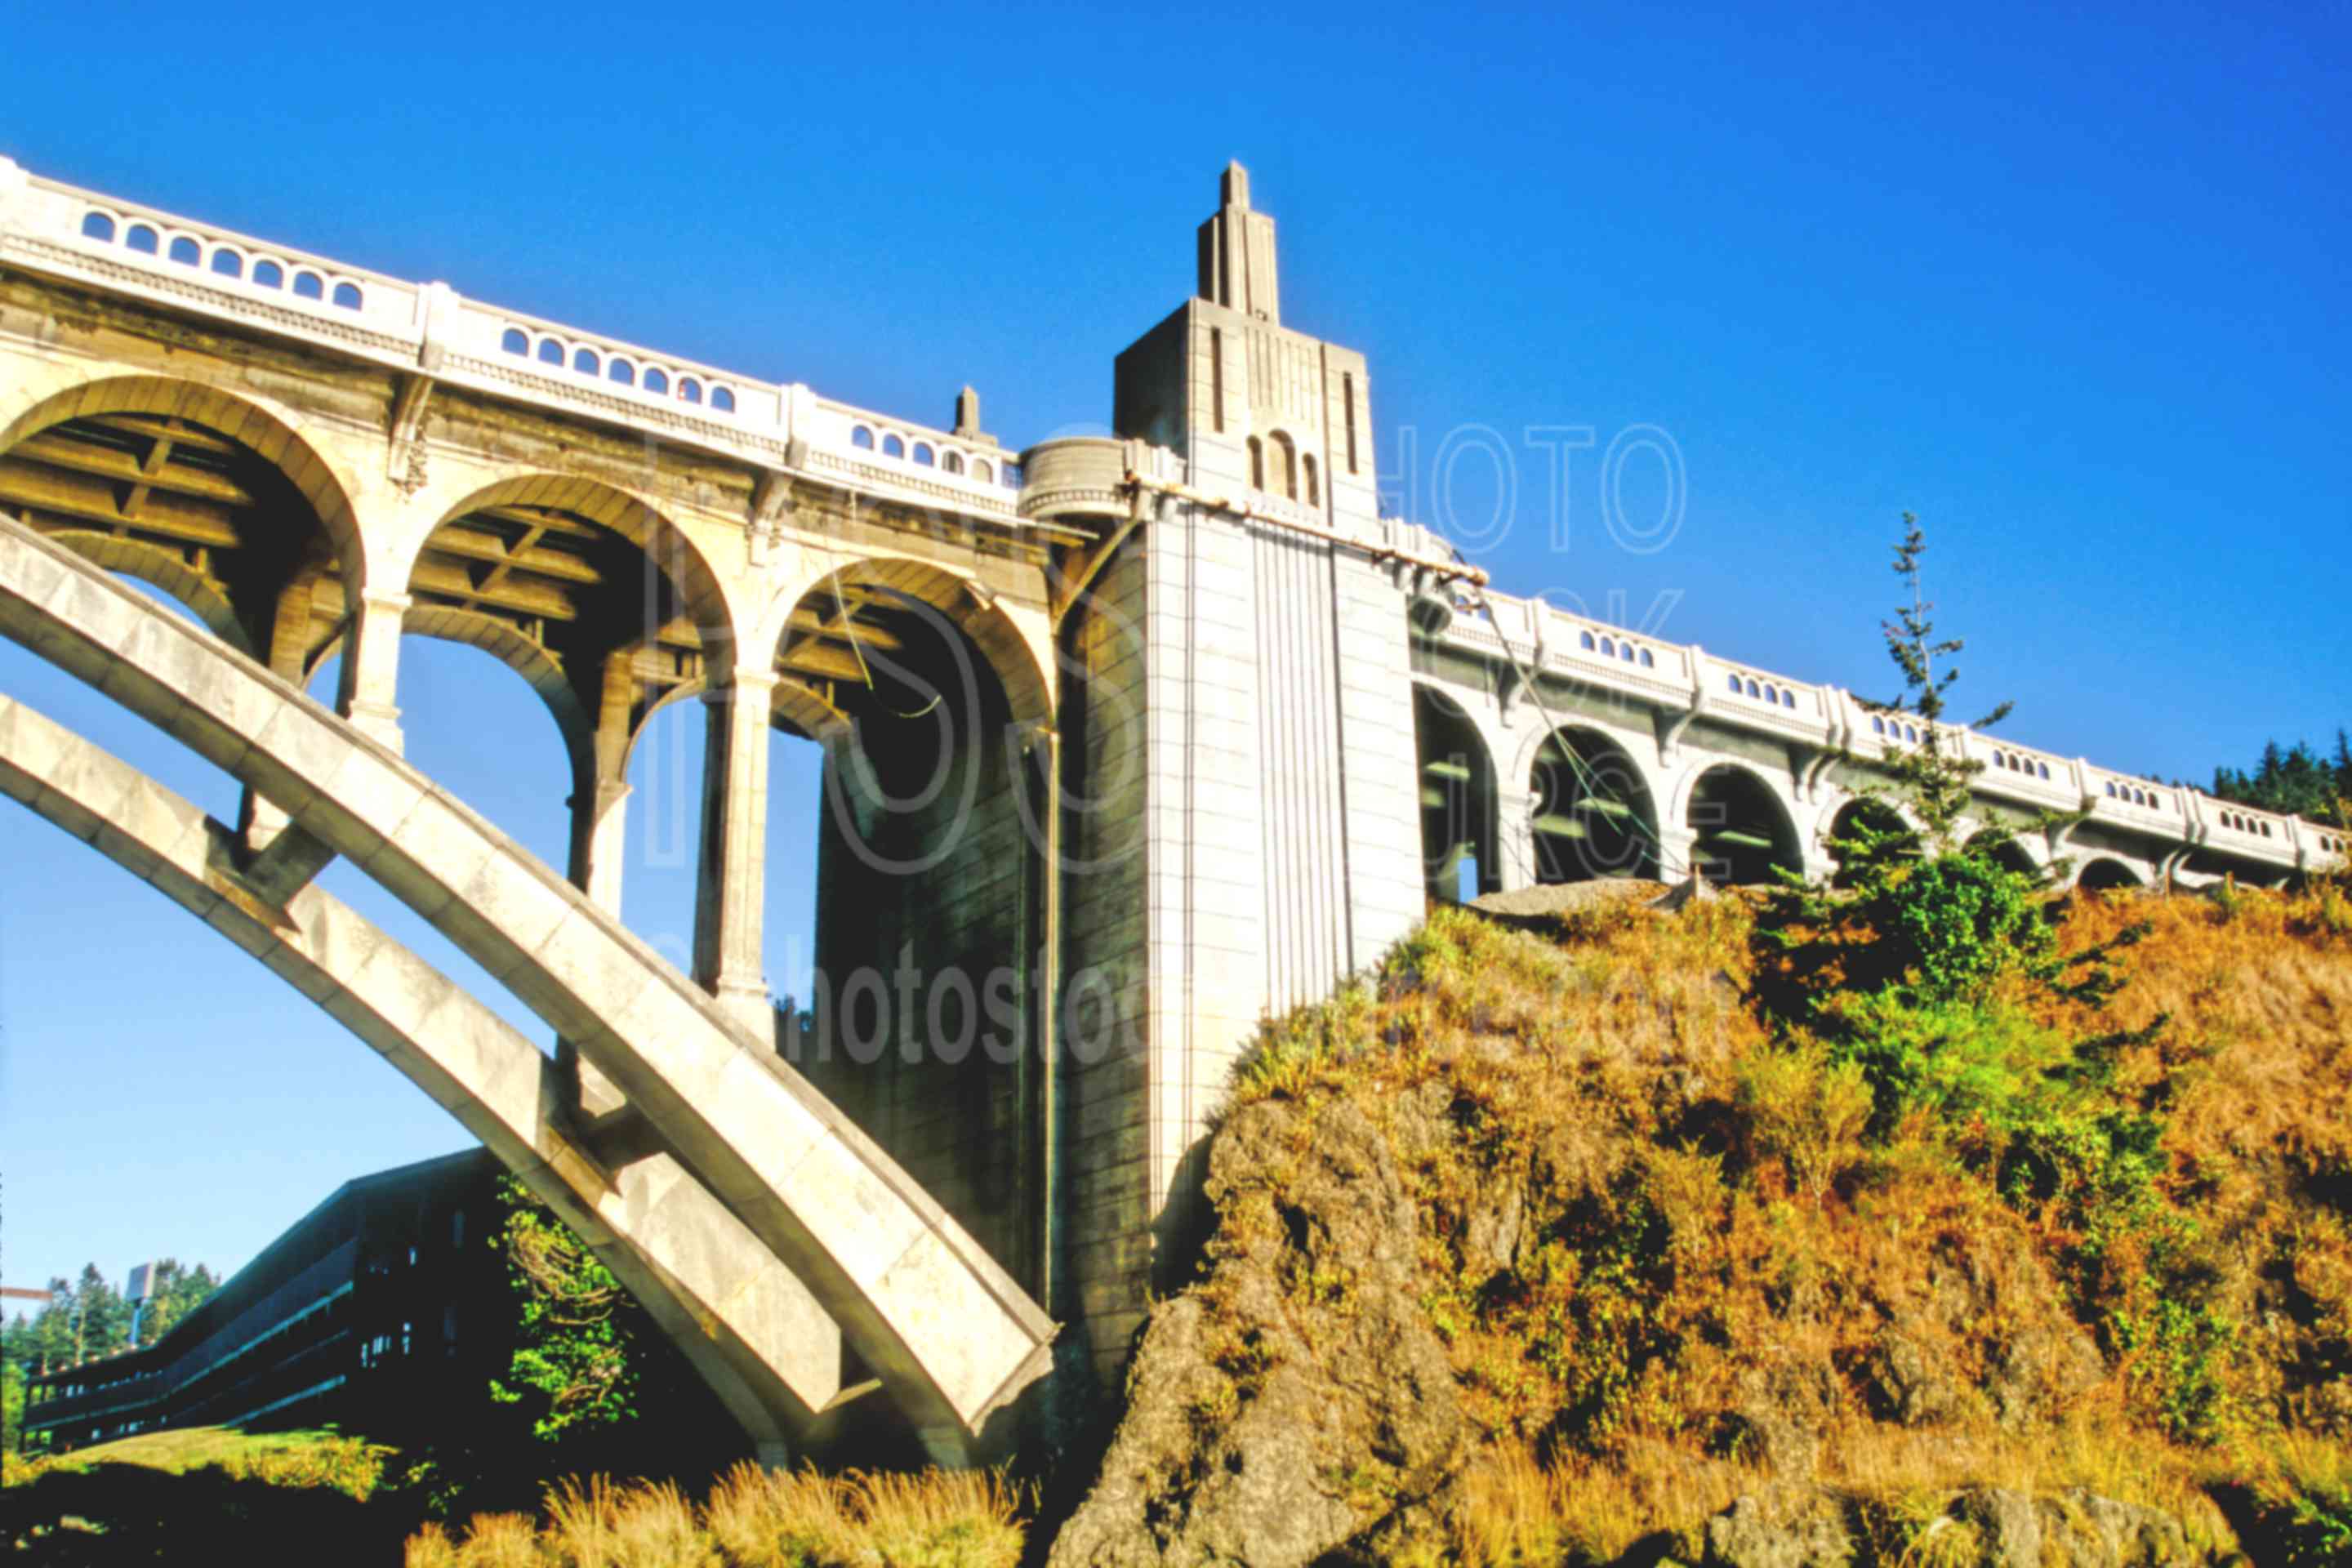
(953, 1337)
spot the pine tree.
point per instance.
(101, 1318)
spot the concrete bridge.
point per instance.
(1130, 741)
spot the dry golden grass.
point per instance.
(776, 1519)
(752, 1519)
(500, 1540)
(1714, 1242)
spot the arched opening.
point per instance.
(1457, 800)
(2007, 853)
(2106, 874)
(1282, 466)
(1862, 813)
(1741, 831)
(1593, 813)
(1257, 463)
(921, 1017)
(1314, 482)
(142, 479)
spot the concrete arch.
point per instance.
(273, 434)
(753, 1330)
(952, 1336)
(1632, 742)
(1459, 793)
(161, 569)
(795, 708)
(2016, 853)
(702, 590)
(1010, 650)
(1723, 805)
(1833, 819)
(2105, 873)
(527, 659)
(1589, 837)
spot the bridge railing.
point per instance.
(180, 261)
(147, 253)
(1649, 670)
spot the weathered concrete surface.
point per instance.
(753, 1330)
(951, 1336)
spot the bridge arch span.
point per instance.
(1873, 811)
(954, 1337)
(2016, 853)
(1740, 823)
(1595, 805)
(561, 505)
(889, 577)
(747, 1326)
(2105, 873)
(145, 405)
(1459, 793)
(933, 797)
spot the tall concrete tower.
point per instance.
(1244, 830)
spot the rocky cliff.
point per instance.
(1544, 1247)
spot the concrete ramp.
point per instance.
(951, 1336)
(754, 1333)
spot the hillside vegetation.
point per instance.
(1716, 1235)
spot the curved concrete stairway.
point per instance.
(953, 1338)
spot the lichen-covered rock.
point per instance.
(1803, 1532)
(1298, 1397)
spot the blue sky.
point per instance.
(2071, 284)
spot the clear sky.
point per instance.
(2071, 283)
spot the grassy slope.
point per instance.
(176, 1452)
(1721, 1268)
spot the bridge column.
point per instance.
(599, 822)
(1514, 840)
(372, 665)
(259, 819)
(729, 907)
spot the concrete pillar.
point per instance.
(600, 820)
(259, 819)
(1514, 840)
(372, 665)
(729, 902)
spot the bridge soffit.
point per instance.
(40, 393)
(999, 606)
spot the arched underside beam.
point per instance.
(753, 1331)
(951, 1334)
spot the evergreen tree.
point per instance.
(53, 1329)
(1920, 918)
(12, 1407)
(101, 1318)
(175, 1291)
